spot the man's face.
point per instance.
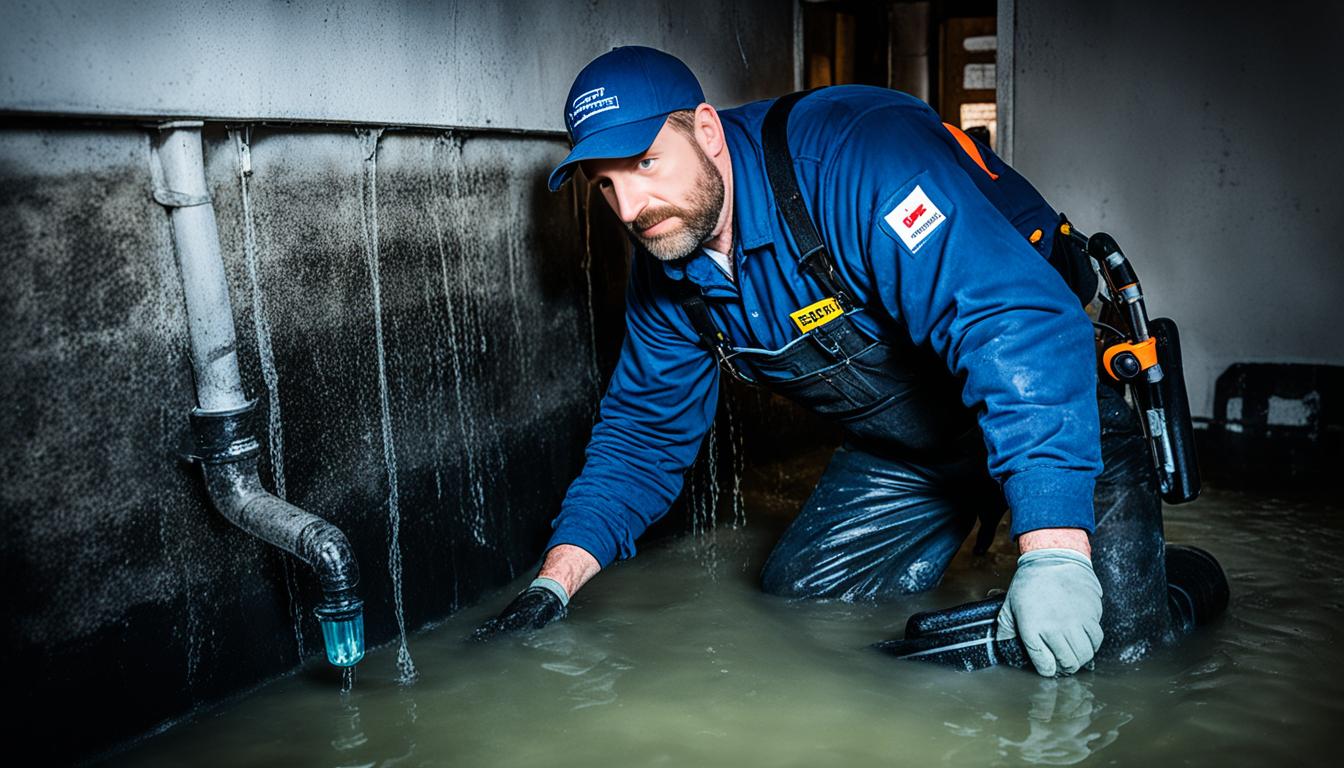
(669, 198)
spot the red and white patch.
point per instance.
(915, 218)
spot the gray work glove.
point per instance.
(1054, 606)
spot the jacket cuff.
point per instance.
(585, 529)
(1050, 498)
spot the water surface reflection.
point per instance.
(676, 658)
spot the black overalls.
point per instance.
(910, 480)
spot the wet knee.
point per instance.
(790, 579)
(919, 576)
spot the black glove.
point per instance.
(533, 608)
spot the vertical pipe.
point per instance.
(181, 188)
(225, 444)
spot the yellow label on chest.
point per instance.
(817, 315)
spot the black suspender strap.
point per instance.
(688, 295)
(813, 257)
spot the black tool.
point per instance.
(963, 636)
(1145, 356)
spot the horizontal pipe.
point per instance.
(93, 119)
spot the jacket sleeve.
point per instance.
(652, 420)
(964, 282)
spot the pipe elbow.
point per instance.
(231, 489)
(227, 450)
(325, 547)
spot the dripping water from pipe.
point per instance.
(347, 679)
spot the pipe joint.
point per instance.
(171, 199)
(222, 437)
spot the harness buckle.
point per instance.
(725, 359)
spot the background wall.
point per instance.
(472, 63)
(1202, 135)
(132, 602)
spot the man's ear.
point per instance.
(709, 130)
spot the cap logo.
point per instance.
(591, 103)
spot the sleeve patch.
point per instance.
(914, 219)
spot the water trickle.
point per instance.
(712, 469)
(369, 143)
(275, 436)
(467, 424)
(347, 679)
(195, 638)
(704, 504)
(512, 252)
(735, 445)
(594, 375)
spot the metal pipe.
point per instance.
(180, 187)
(224, 441)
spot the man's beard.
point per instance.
(697, 219)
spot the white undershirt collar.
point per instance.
(724, 261)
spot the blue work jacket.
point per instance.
(970, 286)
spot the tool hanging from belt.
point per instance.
(1145, 355)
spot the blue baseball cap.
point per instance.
(619, 102)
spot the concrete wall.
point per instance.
(124, 579)
(131, 601)
(481, 63)
(1203, 136)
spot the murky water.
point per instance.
(676, 659)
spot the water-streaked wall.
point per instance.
(456, 425)
(426, 328)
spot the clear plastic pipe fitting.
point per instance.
(343, 631)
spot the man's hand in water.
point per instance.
(1054, 601)
(535, 607)
(547, 598)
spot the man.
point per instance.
(932, 327)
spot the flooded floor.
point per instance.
(675, 658)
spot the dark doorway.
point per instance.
(845, 41)
(968, 47)
(941, 51)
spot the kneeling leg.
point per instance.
(1128, 549)
(876, 527)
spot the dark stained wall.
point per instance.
(132, 601)
(426, 329)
